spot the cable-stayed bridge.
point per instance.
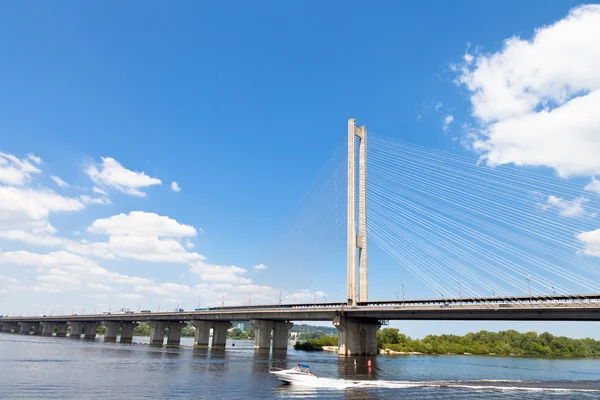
(483, 242)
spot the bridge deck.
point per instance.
(555, 309)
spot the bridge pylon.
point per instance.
(357, 241)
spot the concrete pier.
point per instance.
(219, 338)
(357, 337)
(61, 329)
(263, 329)
(47, 328)
(90, 330)
(25, 327)
(127, 331)
(203, 333)
(112, 330)
(262, 333)
(6, 328)
(174, 335)
(76, 329)
(157, 337)
(280, 334)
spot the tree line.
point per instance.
(508, 342)
(504, 343)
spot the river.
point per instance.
(34, 367)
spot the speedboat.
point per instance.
(299, 375)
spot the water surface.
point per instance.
(33, 367)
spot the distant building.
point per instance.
(242, 325)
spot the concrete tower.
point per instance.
(357, 241)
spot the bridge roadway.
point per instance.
(357, 325)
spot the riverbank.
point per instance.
(504, 343)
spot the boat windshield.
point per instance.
(305, 368)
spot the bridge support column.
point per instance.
(127, 331)
(112, 329)
(280, 334)
(157, 337)
(37, 329)
(47, 328)
(219, 328)
(25, 327)
(357, 337)
(76, 329)
(61, 329)
(220, 334)
(262, 331)
(202, 332)
(174, 335)
(90, 330)
(6, 328)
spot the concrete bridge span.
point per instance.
(357, 324)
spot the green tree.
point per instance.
(142, 330)
(317, 343)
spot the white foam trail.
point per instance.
(328, 383)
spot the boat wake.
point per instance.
(509, 385)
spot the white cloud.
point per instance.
(141, 236)
(175, 187)
(448, 119)
(97, 190)
(130, 296)
(189, 244)
(165, 289)
(27, 210)
(15, 171)
(111, 174)
(593, 186)
(305, 296)
(34, 158)
(137, 235)
(35, 204)
(140, 223)
(537, 100)
(213, 293)
(24, 214)
(261, 266)
(99, 287)
(62, 271)
(59, 181)
(149, 248)
(37, 239)
(219, 273)
(591, 241)
(94, 200)
(8, 279)
(566, 208)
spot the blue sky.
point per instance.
(240, 105)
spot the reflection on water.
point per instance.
(53, 368)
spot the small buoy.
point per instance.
(369, 364)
